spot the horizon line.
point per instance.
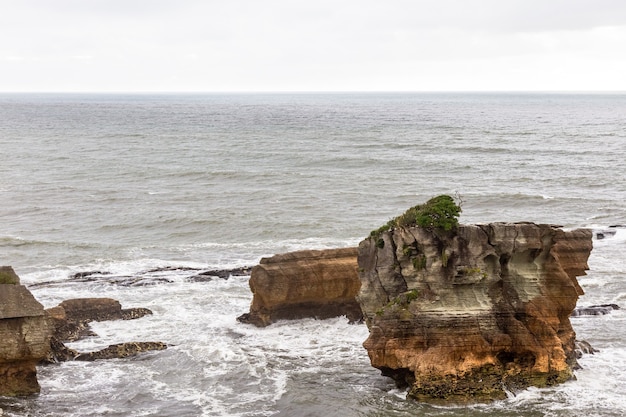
(140, 92)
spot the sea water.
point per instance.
(144, 191)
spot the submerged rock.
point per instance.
(121, 350)
(309, 283)
(24, 336)
(467, 314)
(596, 310)
(582, 347)
(155, 276)
(205, 276)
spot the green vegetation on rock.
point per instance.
(438, 213)
(8, 277)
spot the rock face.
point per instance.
(310, 283)
(463, 315)
(24, 336)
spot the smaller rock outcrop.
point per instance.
(121, 350)
(309, 283)
(72, 317)
(595, 310)
(71, 321)
(24, 336)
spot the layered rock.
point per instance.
(310, 283)
(24, 336)
(71, 320)
(467, 314)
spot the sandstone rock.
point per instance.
(310, 283)
(24, 337)
(465, 315)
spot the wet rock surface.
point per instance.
(156, 276)
(121, 350)
(71, 320)
(595, 310)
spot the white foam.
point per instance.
(216, 366)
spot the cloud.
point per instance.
(322, 45)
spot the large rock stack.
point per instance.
(25, 333)
(466, 314)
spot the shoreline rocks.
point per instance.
(25, 333)
(121, 350)
(465, 315)
(71, 320)
(309, 283)
(595, 310)
(30, 335)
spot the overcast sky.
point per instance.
(315, 45)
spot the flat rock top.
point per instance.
(305, 255)
(17, 301)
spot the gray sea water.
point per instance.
(150, 189)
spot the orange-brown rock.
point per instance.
(24, 336)
(468, 314)
(309, 283)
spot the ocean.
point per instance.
(147, 190)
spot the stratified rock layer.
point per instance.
(465, 315)
(309, 283)
(24, 337)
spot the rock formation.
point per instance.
(310, 283)
(596, 310)
(72, 317)
(71, 321)
(24, 336)
(466, 314)
(121, 350)
(30, 335)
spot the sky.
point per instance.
(314, 45)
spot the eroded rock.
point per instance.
(309, 283)
(467, 314)
(24, 337)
